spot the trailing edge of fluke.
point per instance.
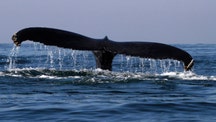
(104, 50)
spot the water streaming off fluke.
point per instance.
(66, 59)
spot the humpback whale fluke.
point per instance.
(104, 50)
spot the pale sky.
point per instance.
(164, 21)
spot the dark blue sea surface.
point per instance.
(43, 83)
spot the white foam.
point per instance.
(106, 75)
(188, 76)
(47, 77)
(23, 69)
(2, 74)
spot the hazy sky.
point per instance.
(165, 21)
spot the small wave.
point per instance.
(43, 73)
(102, 76)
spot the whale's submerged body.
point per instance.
(104, 50)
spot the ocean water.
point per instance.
(43, 83)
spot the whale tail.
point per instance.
(104, 50)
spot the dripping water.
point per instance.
(60, 58)
(145, 65)
(13, 57)
(67, 59)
